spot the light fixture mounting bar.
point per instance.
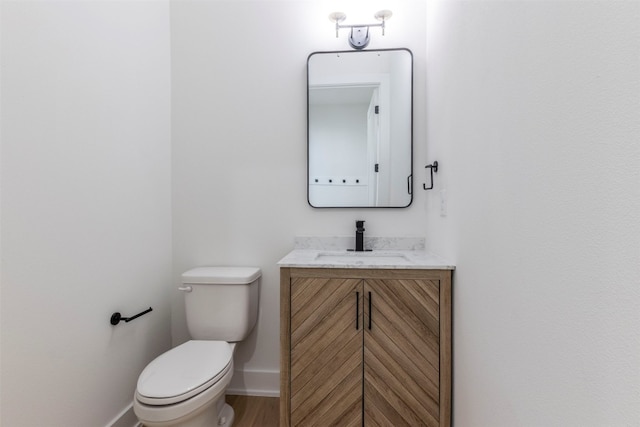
(338, 26)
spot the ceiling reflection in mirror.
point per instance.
(359, 131)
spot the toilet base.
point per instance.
(219, 415)
(227, 416)
(209, 409)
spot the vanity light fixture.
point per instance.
(359, 35)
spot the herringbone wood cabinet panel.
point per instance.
(326, 352)
(401, 353)
(365, 347)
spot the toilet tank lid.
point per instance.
(221, 275)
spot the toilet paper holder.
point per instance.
(117, 317)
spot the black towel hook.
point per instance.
(433, 168)
(117, 317)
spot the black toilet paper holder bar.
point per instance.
(117, 317)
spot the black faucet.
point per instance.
(359, 236)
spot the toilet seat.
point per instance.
(183, 372)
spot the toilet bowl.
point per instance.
(185, 387)
(179, 387)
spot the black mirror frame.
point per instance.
(409, 178)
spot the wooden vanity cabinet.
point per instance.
(365, 347)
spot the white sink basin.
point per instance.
(360, 258)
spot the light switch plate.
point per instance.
(443, 202)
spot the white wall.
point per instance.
(534, 115)
(1, 254)
(85, 206)
(239, 145)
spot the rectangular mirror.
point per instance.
(359, 128)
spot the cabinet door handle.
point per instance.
(369, 310)
(357, 311)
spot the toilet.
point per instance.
(186, 386)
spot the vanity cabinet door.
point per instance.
(326, 351)
(401, 352)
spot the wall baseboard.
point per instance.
(255, 383)
(126, 418)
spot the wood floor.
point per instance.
(254, 411)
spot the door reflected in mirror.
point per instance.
(359, 131)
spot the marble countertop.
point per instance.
(389, 253)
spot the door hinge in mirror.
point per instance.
(377, 109)
(376, 168)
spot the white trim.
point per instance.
(255, 383)
(126, 418)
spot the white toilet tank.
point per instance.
(221, 303)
